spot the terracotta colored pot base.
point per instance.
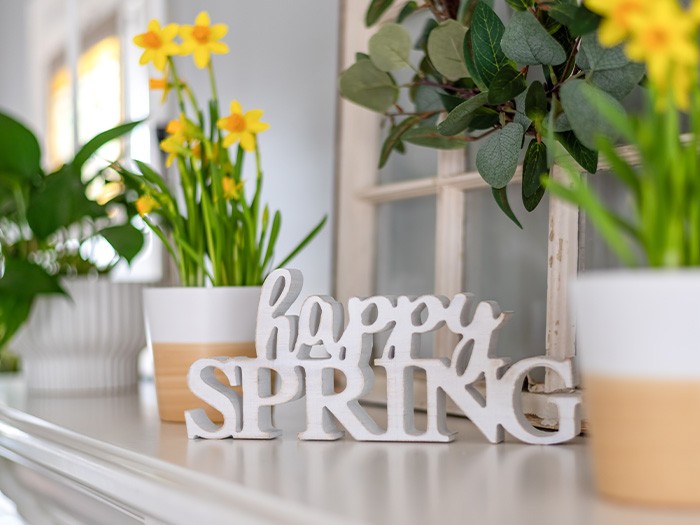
(172, 363)
(644, 437)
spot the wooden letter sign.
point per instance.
(284, 344)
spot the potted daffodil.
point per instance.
(636, 327)
(219, 234)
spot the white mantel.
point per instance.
(110, 460)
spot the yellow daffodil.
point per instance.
(242, 127)
(202, 39)
(158, 44)
(232, 189)
(695, 10)
(155, 84)
(618, 17)
(180, 132)
(666, 41)
(145, 204)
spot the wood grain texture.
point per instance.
(307, 350)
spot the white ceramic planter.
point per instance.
(639, 351)
(186, 324)
(86, 343)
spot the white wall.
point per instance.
(283, 60)
(15, 97)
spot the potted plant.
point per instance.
(74, 330)
(218, 232)
(469, 77)
(636, 327)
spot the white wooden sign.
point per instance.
(284, 344)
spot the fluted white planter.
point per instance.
(86, 343)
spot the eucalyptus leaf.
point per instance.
(594, 57)
(526, 42)
(577, 18)
(501, 197)
(486, 32)
(583, 104)
(389, 48)
(561, 123)
(450, 102)
(393, 140)
(586, 158)
(506, 85)
(458, 119)
(608, 68)
(422, 42)
(407, 10)
(520, 5)
(530, 202)
(20, 154)
(619, 83)
(468, 52)
(483, 118)
(375, 11)
(520, 116)
(126, 240)
(445, 49)
(497, 159)
(534, 166)
(427, 99)
(430, 137)
(364, 84)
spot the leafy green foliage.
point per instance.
(407, 10)
(536, 104)
(389, 48)
(608, 68)
(445, 49)
(459, 118)
(520, 5)
(125, 239)
(500, 195)
(368, 86)
(497, 158)
(20, 156)
(486, 32)
(526, 42)
(586, 158)
(577, 18)
(375, 11)
(430, 137)
(506, 85)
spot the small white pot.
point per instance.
(186, 324)
(86, 343)
(639, 350)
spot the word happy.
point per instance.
(284, 345)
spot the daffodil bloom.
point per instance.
(666, 41)
(242, 127)
(180, 132)
(618, 17)
(202, 39)
(145, 204)
(232, 189)
(158, 44)
(156, 84)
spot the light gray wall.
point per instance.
(283, 60)
(14, 60)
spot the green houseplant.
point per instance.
(637, 326)
(220, 235)
(509, 86)
(48, 226)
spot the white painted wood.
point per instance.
(562, 265)
(284, 344)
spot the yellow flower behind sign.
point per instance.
(158, 44)
(242, 127)
(202, 39)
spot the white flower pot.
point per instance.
(185, 324)
(639, 350)
(86, 343)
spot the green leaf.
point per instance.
(429, 136)
(520, 5)
(450, 102)
(506, 85)
(19, 149)
(14, 311)
(389, 48)
(394, 137)
(536, 104)
(445, 49)
(526, 42)
(91, 147)
(406, 11)
(26, 279)
(497, 158)
(364, 84)
(126, 240)
(427, 99)
(534, 166)
(586, 158)
(530, 202)
(578, 19)
(583, 104)
(561, 123)
(375, 11)
(60, 202)
(608, 68)
(483, 118)
(501, 197)
(469, 61)
(486, 32)
(520, 117)
(361, 56)
(422, 42)
(458, 119)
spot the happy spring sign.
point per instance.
(284, 345)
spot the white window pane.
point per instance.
(509, 266)
(406, 247)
